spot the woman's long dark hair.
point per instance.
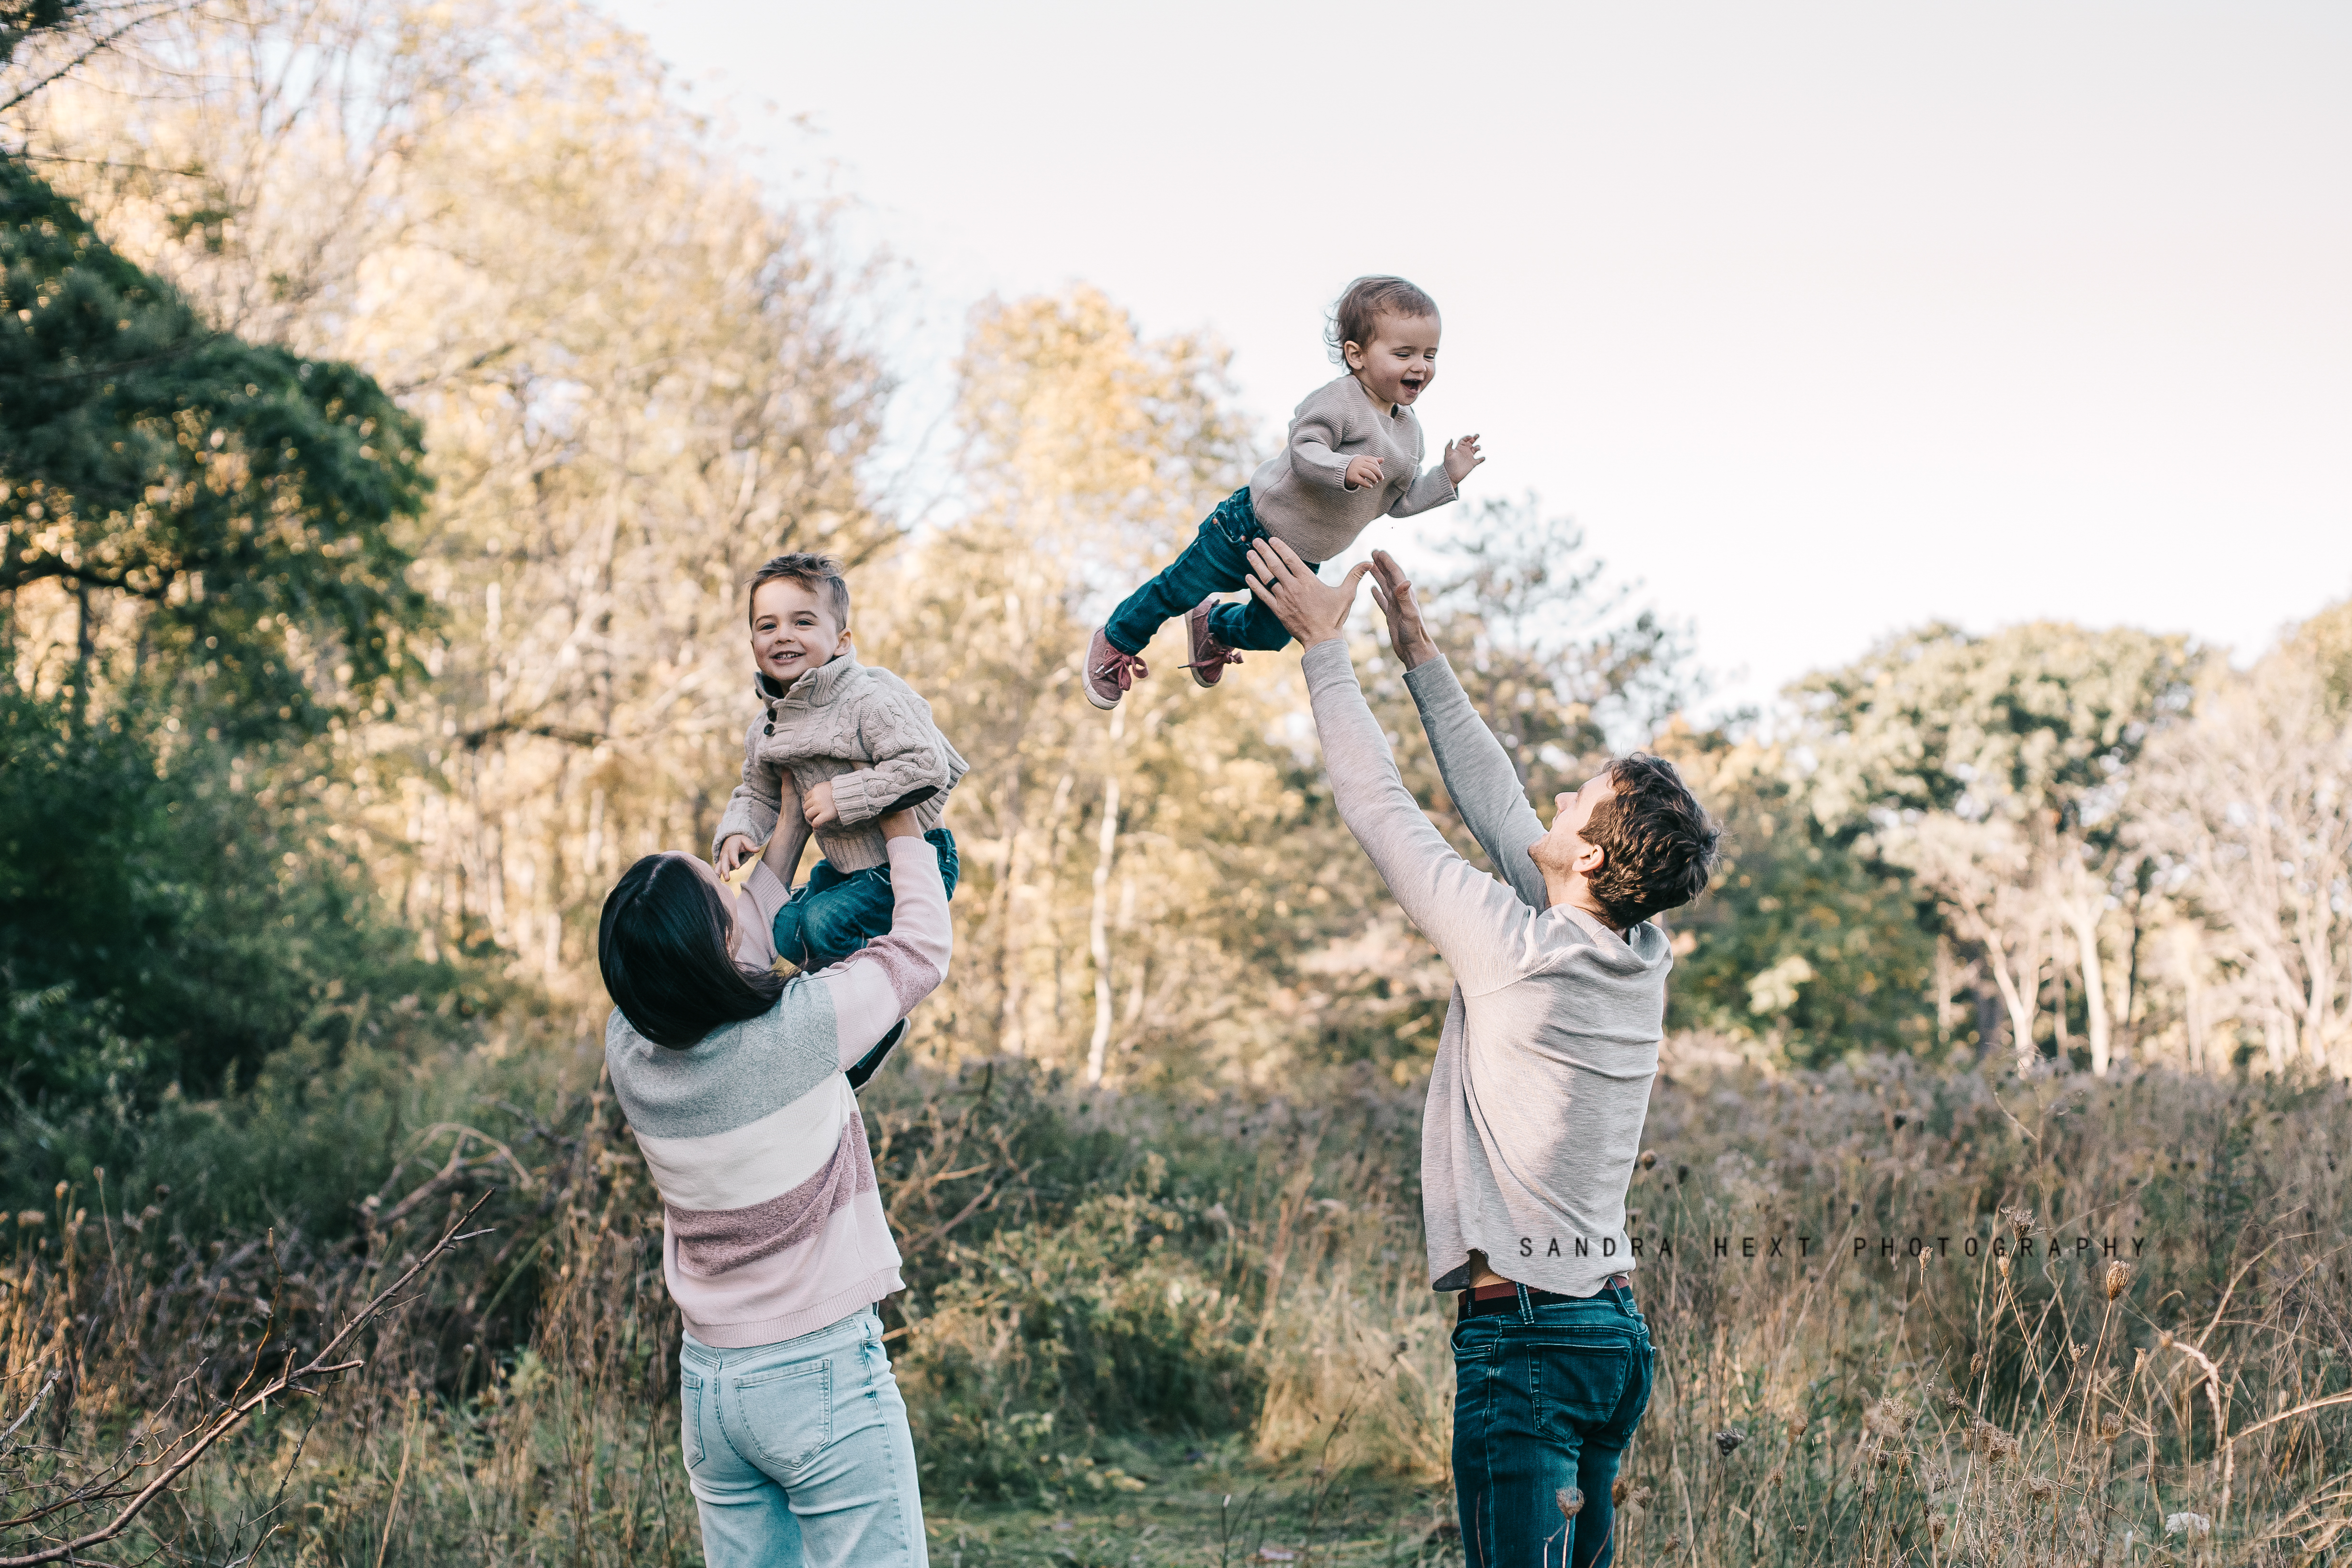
(662, 945)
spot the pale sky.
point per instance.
(1821, 320)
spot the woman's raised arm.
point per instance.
(880, 983)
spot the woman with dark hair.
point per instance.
(773, 1241)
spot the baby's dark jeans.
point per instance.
(1216, 562)
(834, 914)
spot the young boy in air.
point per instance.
(1354, 453)
(856, 743)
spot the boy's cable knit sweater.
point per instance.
(1543, 1072)
(858, 727)
(771, 1223)
(1301, 493)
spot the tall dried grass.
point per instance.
(1100, 1284)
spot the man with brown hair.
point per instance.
(1543, 1073)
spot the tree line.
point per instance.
(396, 402)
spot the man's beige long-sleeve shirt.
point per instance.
(1543, 1073)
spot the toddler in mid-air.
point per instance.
(1354, 453)
(856, 744)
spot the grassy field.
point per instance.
(1151, 1331)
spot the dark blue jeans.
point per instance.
(834, 914)
(1216, 562)
(1545, 1398)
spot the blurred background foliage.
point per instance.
(393, 411)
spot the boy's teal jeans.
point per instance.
(798, 1452)
(1545, 1398)
(834, 914)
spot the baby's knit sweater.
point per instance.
(858, 727)
(771, 1221)
(1301, 493)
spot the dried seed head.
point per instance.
(1649, 1159)
(1801, 1530)
(2111, 1426)
(2164, 1339)
(2040, 1486)
(1889, 1418)
(1870, 1484)
(2190, 1524)
(1774, 1477)
(1674, 1543)
(1727, 1439)
(1977, 1364)
(1797, 1425)
(2001, 1263)
(2020, 1220)
(1936, 1526)
(2118, 1277)
(1570, 1500)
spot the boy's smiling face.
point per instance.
(794, 630)
(1401, 360)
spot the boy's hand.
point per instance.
(818, 807)
(731, 853)
(1308, 608)
(1461, 456)
(1363, 473)
(1393, 593)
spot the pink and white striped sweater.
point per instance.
(771, 1224)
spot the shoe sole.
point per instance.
(1203, 676)
(1095, 698)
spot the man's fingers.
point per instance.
(1355, 578)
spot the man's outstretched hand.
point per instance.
(1309, 609)
(1392, 591)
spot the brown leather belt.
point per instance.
(1484, 1300)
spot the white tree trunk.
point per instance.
(2084, 920)
(1099, 921)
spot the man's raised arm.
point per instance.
(1485, 788)
(1468, 916)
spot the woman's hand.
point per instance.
(899, 824)
(818, 808)
(1392, 591)
(731, 852)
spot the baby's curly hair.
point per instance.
(1660, 845)
(1359, 312)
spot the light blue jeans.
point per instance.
(798, 1452)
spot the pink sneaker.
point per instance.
(1109, 672)
(1209, 655)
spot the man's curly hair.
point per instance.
(1660, 846)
